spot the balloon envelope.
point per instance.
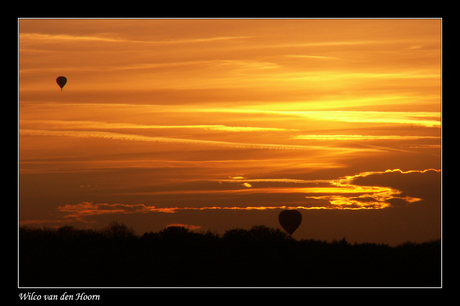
(61, 81)
(290, 220)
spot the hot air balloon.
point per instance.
(290, 220)
(61, 81)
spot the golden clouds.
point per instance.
(132, 137)
(341, 193)
(362, 137)
(428, 119)
(259, 55)
(61, 124)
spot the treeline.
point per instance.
(178, 257)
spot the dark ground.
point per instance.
(177, 257)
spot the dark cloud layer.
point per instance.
(425, 185)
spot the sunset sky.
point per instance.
(221, 123)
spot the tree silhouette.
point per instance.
(177, 256)
(118, 230)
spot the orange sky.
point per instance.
(218, 124)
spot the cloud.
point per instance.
(77, 211)
(362, 137)
(85, 209)
(422, 184)
(237, 179)
(189, 226)
(343, 193)
(134, 137)
(312, 56)
(427, 119)
(58, 223)
(399, 193)
(83, 125)
(115, 39)
(89, 208)
(27, 37)
(362, 191)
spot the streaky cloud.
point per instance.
(81, 210)
(428, 119)
(134, 137)
(116, 39)
(362, 137)
(339, 194)
(64, 124)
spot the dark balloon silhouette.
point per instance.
(61, 81)
(290, 220)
